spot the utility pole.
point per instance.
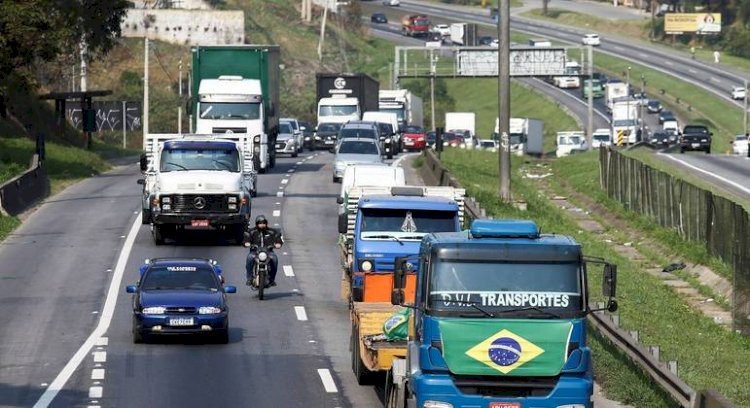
(84, 66)
(432, 88)
(145, 88)
(503, 96)
(640, 107)
(124, 124)
(323, 30)
(190, 98)
(590, 130)
(628, 103)
(744, 111)
(179, 104)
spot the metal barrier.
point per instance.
(21, 192)
(607, 325)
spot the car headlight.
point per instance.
(232, 199)
(166, 200)
(166, 207)
(209, 310)
(262, 256)
(256, 149)
(317, 137)
(366, 266)
(307, 137)
(437, 404)
(155, 310)
(704, 140)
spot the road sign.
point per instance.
(524, 62)
(620, 138)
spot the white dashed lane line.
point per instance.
(280, 194)
(328, 384)
(288, 271)
(298, 163)
(100, 356)
(301, 313)
(97, 374)
(96, 392)
(276, 213)
(284, 181)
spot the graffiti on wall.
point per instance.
(109, 115)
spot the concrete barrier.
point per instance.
(20, 193)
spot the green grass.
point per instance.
(646, 304)
(625, 28)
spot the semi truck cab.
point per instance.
(498, 320)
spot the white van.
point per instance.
(369, 175)
(539, 42)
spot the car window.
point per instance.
(285, 128)
(180, 277)
(329, 127)
(358, 147)
(357, 132)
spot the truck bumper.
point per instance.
(568, 391)
(214, 220)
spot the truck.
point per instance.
(625, 119)
(695, 137)
(463, 123)
(526, 135)
(498, 320)
(195, 182)
(344, 97)
(571, 77)
(615, 90)
(405, 104)
(415, 25)
(236, 90)
(378, 225)
(465, 34)
(570, 142)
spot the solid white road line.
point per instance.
(328, 384)
(97, 374)
(96, 392)
(284, 181)
(708, 173)
(300, 312)
(309, 157)
(288, 271)
(276, 213)
(397, 162)
(104, 321)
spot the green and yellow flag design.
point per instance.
(505, 347)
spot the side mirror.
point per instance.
(609, 281)
(339, 200)
(230, 289)
(143, 162)
(141, 181)
(131, 289)
(343, 224)
(402, 265)
(397, 297)
(189, 106)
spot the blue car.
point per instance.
(180, 296)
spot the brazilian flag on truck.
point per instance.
(505, 347)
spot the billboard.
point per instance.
(524, 62)
(700, 23)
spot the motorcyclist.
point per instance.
(262, 237)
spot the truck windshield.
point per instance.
(230, 111)
(504, 287)
(337, 110)
(404, 224)
(624, 122)
(398, 111)
(199, 159)
(421, 22)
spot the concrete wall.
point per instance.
(186, 27)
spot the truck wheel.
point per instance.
(708, 151)
(682, 150)
(145, 217)
(158, 233)
(361, 373)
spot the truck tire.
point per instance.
(238, 233)
(361, 373)
(708, 151)
(158, 233)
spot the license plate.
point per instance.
(329, 141)
(696, 144)
(199, 223)
(181, 321)
(409, 142)
(505, 405)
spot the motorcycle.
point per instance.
(261, 268)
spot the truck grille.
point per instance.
(382, 265)
(229, 130)
(180, 310)
(199, 203)
(506, 387)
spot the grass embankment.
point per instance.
(646, 305)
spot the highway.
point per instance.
(290, 350)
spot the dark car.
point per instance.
(325, 135)
(661, 139)
(180, 296)
(602, 78)
(307, 134)
(485, 40)
(695, 137)
(430, 138)
(453, 139)
(379, 18)
(665, 116)
(654, 106)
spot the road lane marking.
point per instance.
(284, 181)
(276, 213)
(288, 271)
(96, 392)
(298, 163)
(328, 384)
(668, 63)
(100, 356)
(104, 321)
(309, 157)
(280, 194)
(97, 374)
(715, 80)
(693, 71)
(696, 168)
(290, 171)
(281, 187)
(300, 312)
(619, 48)
(397, 162)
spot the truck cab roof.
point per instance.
(408, 202)
(235, 85)
(199, 144)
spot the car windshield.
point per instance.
(385, 224)
(285, 128)
(413, 129)
(199, 159)
(357, 132)
(180, 277)
(667, 114)
(358, 147)
(488, 144)
(329, 127)
(498, 286)
(601, 138)
(695, 129)
(385, 128)
(337, 110)
(229, 111)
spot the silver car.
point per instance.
(286, 141)
(297, 131)
(355, 151)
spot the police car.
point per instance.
(180, 296)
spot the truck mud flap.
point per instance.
(346, 286)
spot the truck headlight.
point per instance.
(366, 265)
(166, 207)
(229, 206)
(256, 149)
(256, 139)
(166, 200)
(437, 404)
(232, 199)
(209, 310)
(155, 310)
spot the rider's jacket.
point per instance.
(263, 238)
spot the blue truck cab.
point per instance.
(387, 226)
(498, 320)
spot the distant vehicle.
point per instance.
(442, 29)
(414, 138)
(496, 43)
(488, 144)
(539, 42)
(392, 3)
(430, 139)
(307, 133)
(567, 82)
(654, 106)
(661, 139)
(359, 130)
(739, 145)
(570, 142)
(602, 78)
(671, 125)
(452, 139)
(591, 39)
(355, 151)
(298, 136)
(485, 40)
(178, 296)
(738, 92)
(379, 18)
(665, 116)
(601, 137)
(596, 88)
(286, 141)
(325, 135)
(433, 40)
(695, 137)
(415, 25)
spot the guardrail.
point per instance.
(21, 192)
(607, 325)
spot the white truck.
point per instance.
(570, 142)
(464, 34)
(615, 90)
(463, 123)
(571, 78)
(625, 119)
(406, 105)
(524, 133)
(200, 182)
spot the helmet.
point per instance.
(261, 219)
